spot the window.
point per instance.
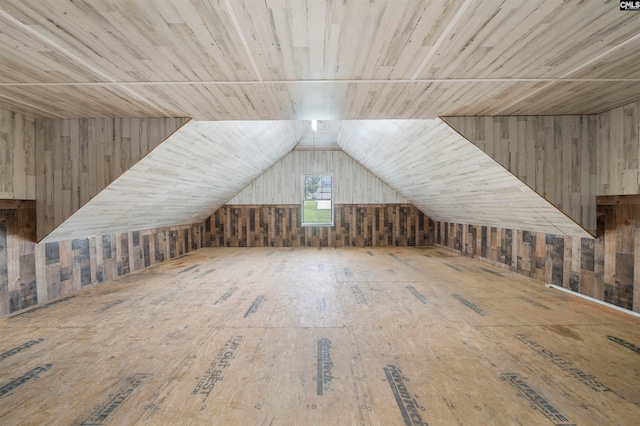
(317, 202)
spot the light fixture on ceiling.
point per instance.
(314, 125)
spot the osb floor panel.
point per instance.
(320, 337)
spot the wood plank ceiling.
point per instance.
(329, 60)
(275, 59)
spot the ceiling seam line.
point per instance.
(562, 77)
(600, 56)
(125, 84)
(76, 58)
(56, 46)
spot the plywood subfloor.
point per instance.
(320, 337)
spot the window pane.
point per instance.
(317, 211)
(317, 202)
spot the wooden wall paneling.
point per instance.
(65, 266)
(571, 257)
(133, 251)
(13, 263)
(4, 267)
(610, 245)
(17, 156)
(630, 145)
(41, 272)
(625, 226)
(359, 225)
(615, 147)
(516, 238)
(636, 270)
(555, 156)
(599, 255)
(449, 178)
(619, 151)
(7, 160)
(605, 268)
(28, 283)
(52, 261)
(34, 273)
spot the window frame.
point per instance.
(302, 218)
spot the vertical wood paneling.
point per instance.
(18, 288)
(619, 151)
(351, 182)
(33, 273)
(356, 225)
(555, 156)
(78, 158)
(606, 268)
(17, 156)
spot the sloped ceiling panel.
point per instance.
(554, 155)
(183, 180)
(449, 178)
(78, 158)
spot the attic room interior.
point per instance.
(295, 212)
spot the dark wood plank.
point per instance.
(355, 226)
(17, 204)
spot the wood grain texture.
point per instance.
(33, 273)
(449, 178)
(181, 35)
(17, 156)
(618, 199)
(183, 180)
(606, 268)
(619, 151)
(555, 156)
(315, 59)
(324, 100)
(78, 158)
(315, 43)
(17, 260)
(490, 38)
(351, 183)
(356, 225)
(17, 204)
